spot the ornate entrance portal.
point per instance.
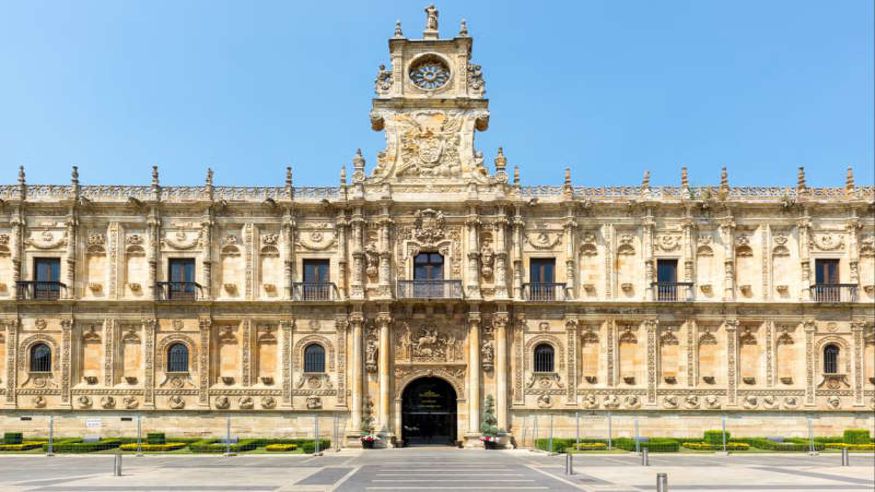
(428, 412)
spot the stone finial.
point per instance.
(288, 177)
(685, 180)
(343, 176)
(74, 177)
(431, 23)
(463, 29)
(500, 161)
(155, 182)
(567, 189)
(398, 32)
(645, 181)
(209, 181)
(849, 181)
(724, 181)
(800, 181)
(21, 180)
(516, 175)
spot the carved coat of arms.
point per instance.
(430, 144)
(428, 226)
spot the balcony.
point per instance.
(544, 292)
(179, 291)
(834, 292)
(39, 290)
(672, 291)
(312, 291)
(429, 289)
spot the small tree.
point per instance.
(367, 424)
(489, 426)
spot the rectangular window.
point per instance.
(181, 276)
(826, 271)
(316, 272)
(47, 277)
(542, 285)
(666, 280)
(428, 266)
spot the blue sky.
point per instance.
(608, 88)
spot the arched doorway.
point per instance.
(428, 412)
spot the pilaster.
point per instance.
(858, 365)
(652, 348)
(499, 320)
(810, 327)
(473, 379)
(149, 328)
(731, 327)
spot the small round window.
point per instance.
(429, 72)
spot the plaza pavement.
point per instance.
(437, 468)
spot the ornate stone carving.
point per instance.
(828, 241)
(544, 239)
(268, 402)
(383, 81)
(487, 355)
(314, 402)
(222, 402)
(130, 402)
(429, 343)
(176, 402)
(84, 401)
(246, 403)
(668, 242)
(712, 402)
(544, 401)
(107, 402)
(429, 226)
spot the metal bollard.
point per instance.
(645, 458)
(661, 482)
(117, 465)
(569, 464)
(846, 457)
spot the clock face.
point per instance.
(429, 73)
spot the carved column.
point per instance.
(770, 353)
(72, 230)
(501, 368)
(342, 254)
(518, 224)
(357, 290)
(474, 373)
(731, 326)
(115, 244)
(109, 352)
(149, 326)
(246, 352)
(287, 327)
(384, 321)
(692, 360)
(727, 228)
(853, 226)
(207, 231)
(154, 224)
(473, 281)
(765, 242)
(650, 325)
(11, 361)
(809, 327)
(501, 254)
(689, 238)
(341, 326)
(649, 259)
(519, 329)
(66, 356)
(572, 364)
(288, 232)
(859, 349)
(570, 226)
(804, 225)
(610, 262)
(385, 253)
(612, 349)
(18, 222)
(205, 325)
(357, 320)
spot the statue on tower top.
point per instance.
(431, 22)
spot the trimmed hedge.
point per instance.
(168, 446)
(13, 438)
(856, 436)
(705, 446)
(851, 447)
(590, 446)
(24, 446)
(280, 448)
(653, 445)
(77, 445)
(715, 437)
(155, 438)
(790, 445)
(215, 446)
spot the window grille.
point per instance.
(314, 358)
(177, 358)
(40, 358)
(544, 358)
(830, 359)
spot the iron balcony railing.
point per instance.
(39, 289)
(179, 291)
(834, 292)
(672, 291)
(314, 291)
(429, 289)
(544, 291)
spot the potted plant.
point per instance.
(489, 427)
(367, 427)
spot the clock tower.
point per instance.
(430, 103)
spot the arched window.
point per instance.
(40, 358)
(831, 359)
(314, 358)
(177, 358)
(544, 358)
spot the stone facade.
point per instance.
(742, 325)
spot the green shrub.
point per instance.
(24, 446)
(77, 445)
(715, 437)
(590, 446)
(790, 445)
(280, 448)
(215, 446)
(13, 438)
(168, 446)
(856, 436)
(851, 447)
(653, 445)
(706, 446)
(155, 438)
(559, 444)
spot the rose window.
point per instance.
(429, 73)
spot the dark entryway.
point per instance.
(428, 412)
